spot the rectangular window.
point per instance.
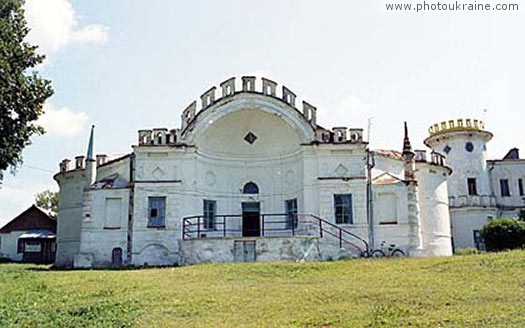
(520, 186)
(504, 186)
(156, 212)
(32, 247)
(291, 213)
(472, 189)
(343, 209)
(387, 208)
(113, 213)
(209, 212)
(478, 240)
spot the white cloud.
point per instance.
(62, 121)
(54, 25)
(91, 34)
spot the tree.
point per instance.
(48, 200)
(503, 234)
(22, 93)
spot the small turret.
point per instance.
(91, 167)
(414, 219)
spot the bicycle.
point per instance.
(390, 251)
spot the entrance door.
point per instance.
(251, 223)
(116, 257)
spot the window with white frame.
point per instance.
(343, 209)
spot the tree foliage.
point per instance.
(22, 93)
(48, 200)
(503, 234)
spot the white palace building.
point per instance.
(249, 176)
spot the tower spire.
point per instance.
(90, 145)
(407, 147)
(91, 166)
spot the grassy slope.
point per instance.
(476, 290)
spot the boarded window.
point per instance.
(156, 212)
(209, 213)
(387, 208)
(504, 186)
(291, 213)
(471, 184)
(113, 212)
(343, 209)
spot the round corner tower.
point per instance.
(463, 142)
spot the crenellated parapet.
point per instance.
(457, 125)
(248, 84)
(435, 158)
(158, 137)
(228, 88)
(80, 163)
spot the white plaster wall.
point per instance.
(387, 164)
(121, 167)
(97, 238)
(511, 170)
(390, 233)
(467, 219)
(9, 246)
(465, 164)
(434, 209)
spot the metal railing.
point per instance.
(270, 225)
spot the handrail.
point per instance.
(193, 227)
(343, 230)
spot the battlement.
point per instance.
(457, 125)
(435, 158)
(80, 163)
(269, 88)
(228, 88)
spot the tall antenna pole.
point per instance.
(369, 128)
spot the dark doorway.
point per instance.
(116, 257)
(251, 223)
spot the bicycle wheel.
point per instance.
(378, 253)
(397, 253)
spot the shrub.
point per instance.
(503, 234)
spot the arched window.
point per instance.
(250, 188)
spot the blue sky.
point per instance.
(127, 65)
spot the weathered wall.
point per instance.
(69, 216)
(266, 249)
(100, 234)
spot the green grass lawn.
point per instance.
(464, 291)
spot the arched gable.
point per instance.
(249, 101)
